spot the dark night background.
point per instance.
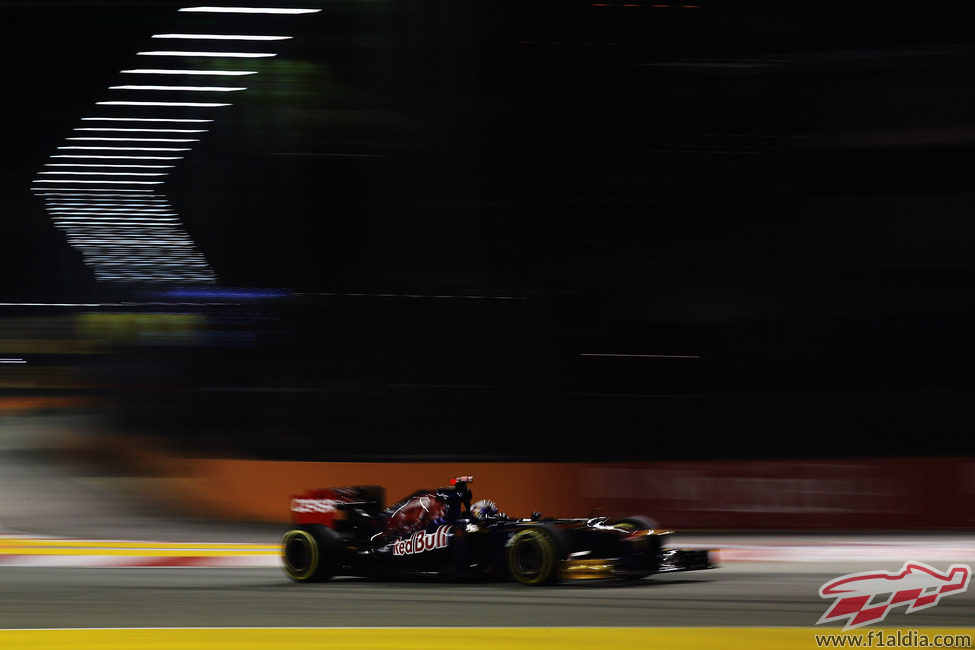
(769, 204)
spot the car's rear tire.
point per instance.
(534, 555)
(309, 553)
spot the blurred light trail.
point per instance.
(144, 119)
(12, 361)
(111, 166)
(217, 55)
(227, 73)
(65, 155)
(188, 104)
(223, 37)
(106, 128)
(135, 139)
(127, 148)
(249, 10)
(641, 356)
(82, 206)
(106, 173)
(113, 213)
(216, 89)
(65, 180)
(91, 191)
(103, 220)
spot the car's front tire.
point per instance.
(309, 553)
(645, 551)
(534, 556)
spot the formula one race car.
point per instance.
(346, 531)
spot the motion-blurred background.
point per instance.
(630, 231)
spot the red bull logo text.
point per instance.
(421, 541)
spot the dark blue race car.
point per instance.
(441, 533)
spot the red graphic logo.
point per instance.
(867, 597)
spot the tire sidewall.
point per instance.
(545, 542)
(321, 544)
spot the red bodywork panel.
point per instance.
(320, 505)
(417, 513)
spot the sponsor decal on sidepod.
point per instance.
(421, 541)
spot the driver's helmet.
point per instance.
(484, 510)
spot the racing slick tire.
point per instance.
(647, 548)
(534, 555)
(309, 553)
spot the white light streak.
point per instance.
(107, 128)
(87, 191)
(143, 119)
(217, 55)
(82, 215)
(127, 148)
(189, 104)
(119, 205)
(136, 139)
(640, 356)
(215, 89)
(110, 222)
(223, 37)
(13, 361)
(107, 173)
(226, 73)
(131, 207)
(65, 180)
(111, 166)
(65, 155)
(250, 10)
(97, 207)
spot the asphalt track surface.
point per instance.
(756, 595)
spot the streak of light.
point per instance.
(223, 37)
(95, 139)
(217, 89)
(106, 221)
(187, 104)
(93, 216)
(144, 119)
(107, 128)
(111, 166)
(107, 173)
(640, 356)
(217, 55)
(87, 191)
(86, 157)
(128, 148)
(250, 10)
(228, 73)
(65, 180)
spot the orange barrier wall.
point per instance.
(261, 490)
(862, 494)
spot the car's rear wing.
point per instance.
(322, 505)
